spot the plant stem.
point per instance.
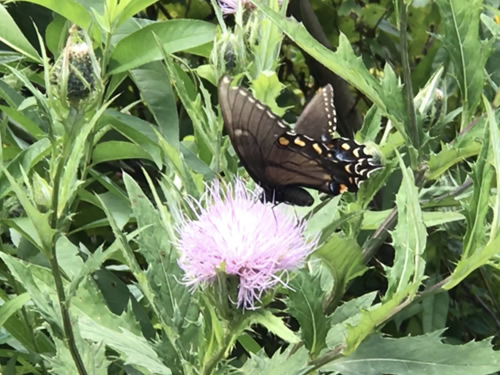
(61, 295)
(408, 87)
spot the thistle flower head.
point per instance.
(230, 6)
(237, 234)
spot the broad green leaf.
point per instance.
(23, 121)
(154, 85)
(11, 306)
(343, 258)
(131, 7)
(11, 35)
(305, 303)
(136, 130)
(275, 325)
(467, 52)
(69, 9)
(174, 35)
(409, 237)
(418, 355)
(117, 150)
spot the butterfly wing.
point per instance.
(255, 133)
(319, 118)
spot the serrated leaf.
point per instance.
(409, 237)
(278, 364)
(134, 349)
(477, 208)
(418, 355)
(172, 299)
(466, 51)
(305, 303)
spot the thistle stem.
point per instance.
(54, 264)
(408, 87)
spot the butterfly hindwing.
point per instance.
(319, 118)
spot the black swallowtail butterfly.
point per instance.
(283, 161)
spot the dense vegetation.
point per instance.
(117, 247)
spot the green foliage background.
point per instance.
(405, 279)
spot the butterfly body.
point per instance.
(282, 161)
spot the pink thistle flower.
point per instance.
(230, 6)
(237, 234)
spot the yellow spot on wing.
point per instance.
(299, 142)
(283, 141)
(343, 188)
(317, 148)
(346, 146)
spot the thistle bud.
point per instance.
(75, 72)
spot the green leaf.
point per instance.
(174, 35)
(435, 308)
(24, 161)
(69, 9)
(344, 259)
(373, 219)
(275, 325)
(465, 50)
(23, 121)
(477, 208)
(425, 354)
(136, 130)
(266, 88)
(409, 237)
(280, 363)
(305, 303)
(11, 35)
(39, 220)
(172, 299)
(154, 85)
(28, 277)
(118, 150)
(347, 314)
(466, 265)
(11, 306)
(134, 349)
(495, 158)
(130, 8)
(342, 62)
